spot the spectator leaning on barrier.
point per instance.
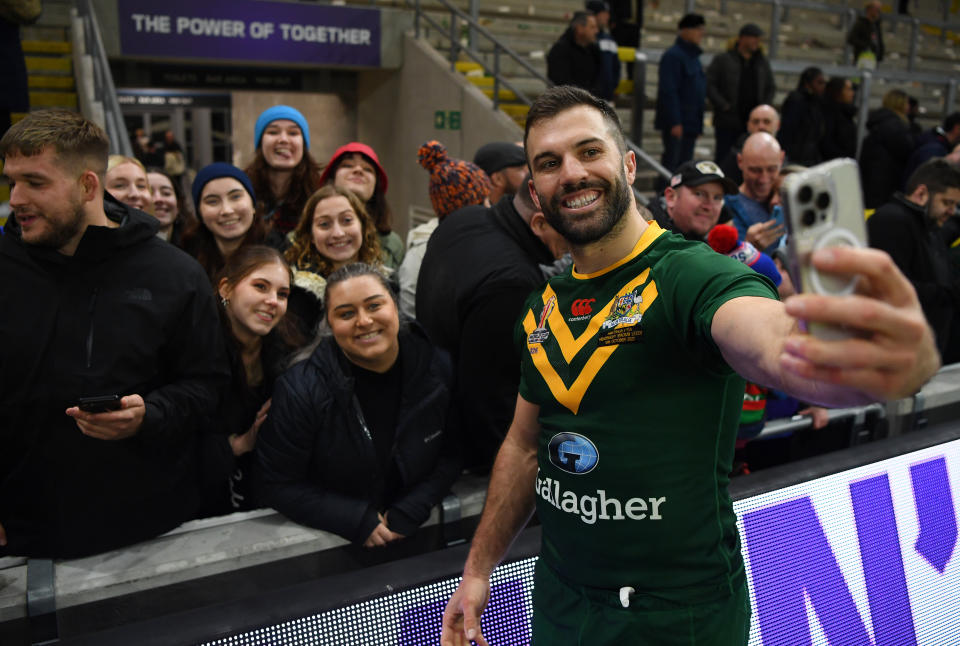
(763, 118)
(609, 54)
(907, 227)
(681, 93)
(478, 268)
(358, 440)
(801, 124)
(738, 80)
(693, 200)
(866, 36)
(505, 165)
(575, 58)
(103, 308)
(885, 149)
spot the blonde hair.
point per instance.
(897, 101)
(118, 160)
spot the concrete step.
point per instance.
(37, 82)
(46, 47)
(53, 100)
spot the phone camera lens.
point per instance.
(823, 200)
(805, 194)
(808, 218)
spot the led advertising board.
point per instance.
(864, 557)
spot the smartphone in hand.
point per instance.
(100, 404)
(823, 206)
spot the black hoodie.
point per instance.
(127, 314)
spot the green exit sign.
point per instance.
(446, 120)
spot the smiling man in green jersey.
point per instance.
(630, 393)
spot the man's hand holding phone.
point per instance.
(112, 425)
(763, 234)
(891, 352)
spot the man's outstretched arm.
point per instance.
(509, 505)
(891, 355)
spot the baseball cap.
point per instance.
(695, 173)
(498, 155)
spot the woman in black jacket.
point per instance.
(885, 150)
(253, 288)
(840, 132)
(358, 440)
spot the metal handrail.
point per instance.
(456, 49)
(105, 93)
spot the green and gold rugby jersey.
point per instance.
(638, 416)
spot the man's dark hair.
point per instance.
(580, 18)
(564, 97)
(951, 122)
(807, 76)
(937, 174)
(80, 144)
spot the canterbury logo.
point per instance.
(581, 306)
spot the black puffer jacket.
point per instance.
(319, 467)
(127, 313)
(884, 156)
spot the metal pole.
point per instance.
(723, 7)
(475, 15)
(951, 98)
(914, 37)
(848, 19)
(866, 77)
(454, 42)
(496, 75)
(639, 96)
(416, 19)
(775, 29)
(688, 6)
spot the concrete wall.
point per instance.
(395, 115)
(331, 116)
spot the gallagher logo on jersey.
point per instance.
(573, 453)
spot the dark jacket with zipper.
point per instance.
(481, 264)
(316, 458)
(914, 242)
(127, 314)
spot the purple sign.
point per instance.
(250, 30)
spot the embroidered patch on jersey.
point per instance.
(541, 334)
(570, 347)
(622, 324)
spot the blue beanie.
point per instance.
(216, 171)
(281, 112)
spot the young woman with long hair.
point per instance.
(283, 172)
(359, 441)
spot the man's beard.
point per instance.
(616, 202)
(59, 231)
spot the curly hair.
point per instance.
(304, 255)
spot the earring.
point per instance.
(224, 301)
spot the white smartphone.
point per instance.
(823, 206)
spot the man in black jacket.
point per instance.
(480, 265)
(96, 305)
(738, 80)
(907, 228)
(575, 58)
